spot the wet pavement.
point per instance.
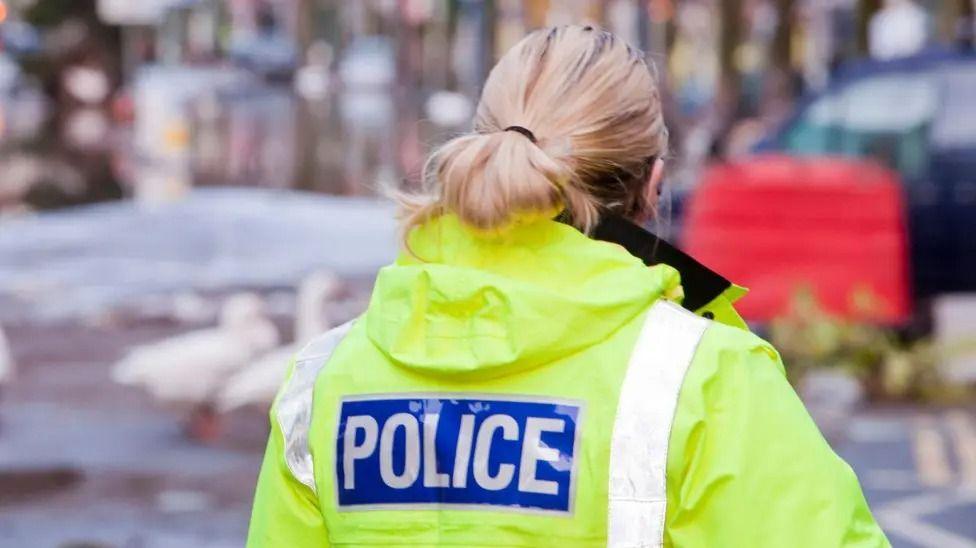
(87, 463)
(105, 466)
(918, 470)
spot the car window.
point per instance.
(954, 126)
(886, 117)
(889, 103)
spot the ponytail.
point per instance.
(491, 179)
(586, 106)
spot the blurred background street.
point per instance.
(190, 189)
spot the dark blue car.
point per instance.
(916, 115)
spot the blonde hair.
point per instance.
(593, 114)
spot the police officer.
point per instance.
(519, 380)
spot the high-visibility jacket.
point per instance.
(538, 388)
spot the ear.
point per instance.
(652, 189)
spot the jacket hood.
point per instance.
(469, 305)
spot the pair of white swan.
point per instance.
(189, 368)
(235, 364)
(257, 383)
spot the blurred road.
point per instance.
(115, 470)
(86, 462)
(918, 470)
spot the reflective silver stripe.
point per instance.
(639, 447)
(294, 411)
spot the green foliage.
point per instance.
(889, 368)
(50, 13)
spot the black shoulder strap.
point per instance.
(701, 284)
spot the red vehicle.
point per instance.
(778, 224)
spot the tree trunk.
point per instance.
(451, 80)
(865, 11)
(305, 30)
(486, 50)
(963, 30)
(782, 55)
(779, 86)
(643, 26)
(730, 37)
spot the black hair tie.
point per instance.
(519, 129)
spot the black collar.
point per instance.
(701, 285)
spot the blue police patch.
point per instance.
(436, 450)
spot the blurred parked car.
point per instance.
(782, 225)
(918, 116)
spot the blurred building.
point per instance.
(347, 97)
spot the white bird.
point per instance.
(191, 368)
(258, 383)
